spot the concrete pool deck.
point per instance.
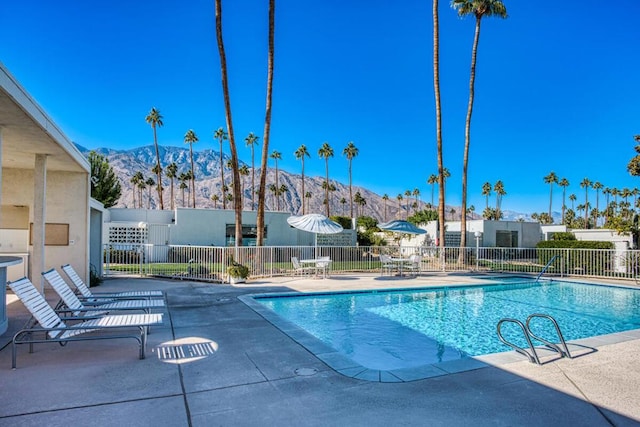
(254, 374)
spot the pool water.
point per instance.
(406, 328)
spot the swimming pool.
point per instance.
(398, 329)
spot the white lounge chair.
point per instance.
(299, 269)
(77, 307)
(86, 293)
(387, 264)
(414, 264)
(46, 322)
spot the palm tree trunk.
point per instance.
(436, 89)
(224, 198)
(467, 140)
(267, 128)
(303, 184)
(326, 190)
(253, 180)
(232, 144)
(159, 170)
(350, 190)
(193, 179)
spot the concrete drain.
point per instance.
(305, 372)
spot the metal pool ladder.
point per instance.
(546, 267)
(530, 353)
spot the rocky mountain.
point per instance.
(207, 171)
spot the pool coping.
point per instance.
(349, 368)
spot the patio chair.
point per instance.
(85, 292)
(414, 264)
(77, 307)
(47, 322)
(323, 263)
(387, 264)
(299, 269)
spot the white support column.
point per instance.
(39, 218)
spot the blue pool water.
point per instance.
(406, 328)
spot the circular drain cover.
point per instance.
(305, 372)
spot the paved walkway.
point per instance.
(216, 362)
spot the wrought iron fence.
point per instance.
(210, 263)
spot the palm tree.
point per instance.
(150, 183)
(183, 185)
(551, 179)
(572, 198)
(191, 138)
(498, 188)
(221, 135)
(564, 183)
(308, 196)
(343, 202)
(172, 173)
(300, 154)
(350, 151)
(407, 194)
(276, 155)
(243, 171)
(325, 152)
(134, 184)
(139, 179)
(141, 186)
(486, 192)
(267, 127)
(480, 9)
(597, 186)
(154, 118)
(436, 90)
(232, 141)
(452, 211)
(432, 180)
(416, 194)
(585, 183)
(215, 198)
(385, 199)
(251, 140)
(360, 201)
(399, 198)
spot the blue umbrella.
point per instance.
(400, 226)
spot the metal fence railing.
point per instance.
(210, 263)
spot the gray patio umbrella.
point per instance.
(400, 226)
(314, 223)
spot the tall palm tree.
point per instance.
(150, 183)
(436, 90)
(416, 194)
(350, 151)
(221, 135)
(572, 198)
(191, 138)
(252, 140)
(154, 118)
(141, 186)
(551, 179)
(267, 128)
(597, 186)
(325, 152)
(183, 185)
(134, 186)
(399, 198)
(276, 155)
(564, 183)
(486, 192)
(385, 199)
(308, 196)
(480, 9)
(300, 154)
(498, 188)
(586, 184)
(229, 121)
(243, 171)
(139, 178)
(432, 180)
(407, 194)
(215, 198)
(172, 173)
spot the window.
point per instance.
(506, 239)
(249, 235)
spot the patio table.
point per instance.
(319, 263)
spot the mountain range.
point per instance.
(126, 163)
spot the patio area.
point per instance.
(217, 362)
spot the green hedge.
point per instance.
(574, 244)
(571, 262)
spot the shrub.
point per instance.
(563, 235)
(238, 270)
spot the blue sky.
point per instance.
(557, 87)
